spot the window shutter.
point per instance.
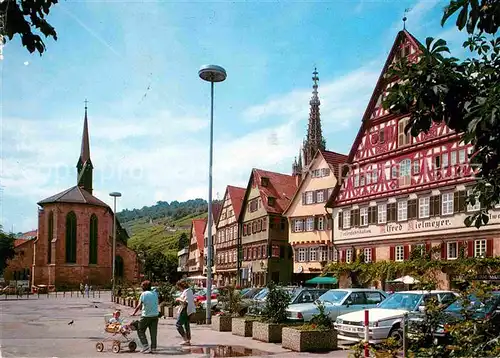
(456, 202)
(355, 217)
(341, 219)
(428, 247)
(391, 212)
(342, 255)
(307, 254)
(315, 223)
(406, 250)
(470, 248)
(443, 251)
(292, 225)
(314, 195)
(264, 224)
(328, 220)
(435, 205)
(374, 251)
(412, 209)
(303, 198)
(325, 194)
(392, 253)
(489, 248)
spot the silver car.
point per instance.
(337, 302)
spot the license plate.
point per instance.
(348, 329)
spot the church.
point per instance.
(75, 235)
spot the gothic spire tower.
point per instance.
(314, 139)
(84, 166)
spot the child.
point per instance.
(115, 324)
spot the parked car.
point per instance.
(299, 295)
(487, 311)
(385, 320)
(337, 302)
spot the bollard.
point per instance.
(64, 293)
(71, 293)
(405, 320)
(367, 334)
(93, 294)
(38, 293)
(99, 293)
(56, 293)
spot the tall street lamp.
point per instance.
(115, 195)
(212, 74)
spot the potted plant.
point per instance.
(273, 316)
(166, 299)
(317, 335)
(229, 300)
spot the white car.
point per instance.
(385, 320)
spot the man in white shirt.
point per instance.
(185, 309)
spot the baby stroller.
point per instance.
(118, 334)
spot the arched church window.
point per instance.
(118, 267)
(93, 241)
(71, 237)
(50, 236)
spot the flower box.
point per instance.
(311, 340)
(242, 327)
(267, 332)
(222, 323)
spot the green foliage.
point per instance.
(166, 293)
(230, 299)
(163, 210)
(276, 304)
(25, 18)
(465, 95)
(7, 251)
(321, 320)
(183, 241)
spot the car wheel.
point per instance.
(397, 335)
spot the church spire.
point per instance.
(314, 139)
(84, 165)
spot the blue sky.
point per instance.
(137, 62)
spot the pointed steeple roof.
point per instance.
(314, 140)
(85, 151)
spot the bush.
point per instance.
(321, 319)
(277, 302)
(166, 294)
(230, 299)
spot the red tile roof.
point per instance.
(199, 229)
(237, 195)
(281, 186)
(29, 235)
(216, 209)
(335, 161)
(74, 195)
(18, 242)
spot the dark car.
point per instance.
(298, 295)
(486, 310)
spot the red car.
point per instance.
(202, 295)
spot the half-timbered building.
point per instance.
(402, 192)
(216, 207)
(226, 240)
(195, 260)
(266, 254)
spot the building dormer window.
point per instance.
(264, 181)
(271, 201)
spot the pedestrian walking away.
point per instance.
(149, 317)
(185, 309)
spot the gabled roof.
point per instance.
(75, 195)
(216, 209)
(334, 160)
(282, 187)
(237, 194)
(365, 122)
(19, 242)
(199, 229)
(29, 235)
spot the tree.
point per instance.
(183, 241)
(25, 18)
(465, 95)
(7, 251)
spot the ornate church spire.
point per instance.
(297, 164)
(84, 165)
(314, 139)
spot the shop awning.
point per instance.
(322, 280)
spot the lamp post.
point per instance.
(212, 74)
(114, 195)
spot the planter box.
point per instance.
(199, 317)
(242, 327)
(308, 341)
(222, 323)
(170, 312)
(267, 332)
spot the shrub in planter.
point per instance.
(318, 335)
(229, 299)
(242, 326)
(273, 316)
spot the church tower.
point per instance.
(84, 165)
(314, 139)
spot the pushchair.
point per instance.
(118, 334)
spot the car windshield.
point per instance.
(333, 296)
(476, 305)
(401, 301)
(261, 294)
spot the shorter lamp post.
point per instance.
(115, 195)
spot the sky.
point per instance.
(136, 62)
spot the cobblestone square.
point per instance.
(38, 327)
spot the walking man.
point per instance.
(186, 308)
(149, 317)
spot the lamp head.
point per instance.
(212, 73)
(115, 194)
